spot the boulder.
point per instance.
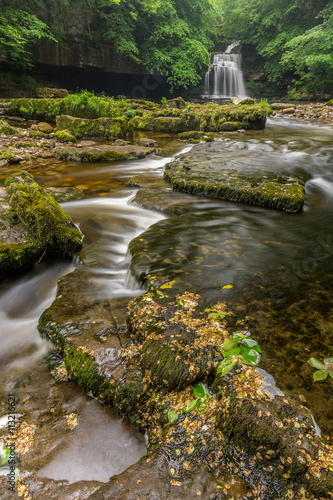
(44, 127)
(177, 103)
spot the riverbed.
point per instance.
(278, 267)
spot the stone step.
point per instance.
(5, 105)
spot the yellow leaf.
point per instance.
(227, 286)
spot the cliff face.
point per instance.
(80, 43)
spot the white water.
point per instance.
(224, 77)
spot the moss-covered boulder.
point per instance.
(210, 170)
(108, 128)
(43, 218)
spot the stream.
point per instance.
(279, 265)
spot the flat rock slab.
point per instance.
(103, 152)
(214, 171)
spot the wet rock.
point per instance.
(147, 143)
(209, 170)
(102, 153)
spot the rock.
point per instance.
(248, 100)
(48, 224)
(177, 103)
(210, 170)
(175, 124)
(228, 127)
(44, 127)
(99, 127)
(277, 106)
(103, 153)
(34, 126)
(147, 143)
(120, 142)
(4, 163)
(12, 157)
(49, 93)
(288, 111)
(64, 136)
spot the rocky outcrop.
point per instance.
(108, 128)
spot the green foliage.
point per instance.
(164, 102)
(323, 369)
(19, 28)
(173, 37)
(291, 36)
(239, 348)
(201, 399)
(5, 457)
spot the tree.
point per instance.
(19, 28)
(280, 30)
(173, 37)
(311, 54)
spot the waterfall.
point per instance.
(225, 76)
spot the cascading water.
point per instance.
(224, 76)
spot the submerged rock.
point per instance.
(209, 170)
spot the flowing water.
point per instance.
(280, 265)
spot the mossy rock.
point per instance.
(47, 223)
(6, 129)
(228, 127)
(103, 153)
(209, 170)
(64, 136)
(12, 157)
(18, 257)
(99, 127)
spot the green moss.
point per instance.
(42, 216)
(100, 127)
(18, 257)
(36, 134)
(11, 157)
(92, 156)
(6, 129)
(64, 136)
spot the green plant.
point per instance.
(202, 398)
(6, 454)
(323, 369)
(240, 348)
(164, 102)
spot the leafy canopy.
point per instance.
(19, 28)
(173, 37)
(292, 36)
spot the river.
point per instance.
(279, 265)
